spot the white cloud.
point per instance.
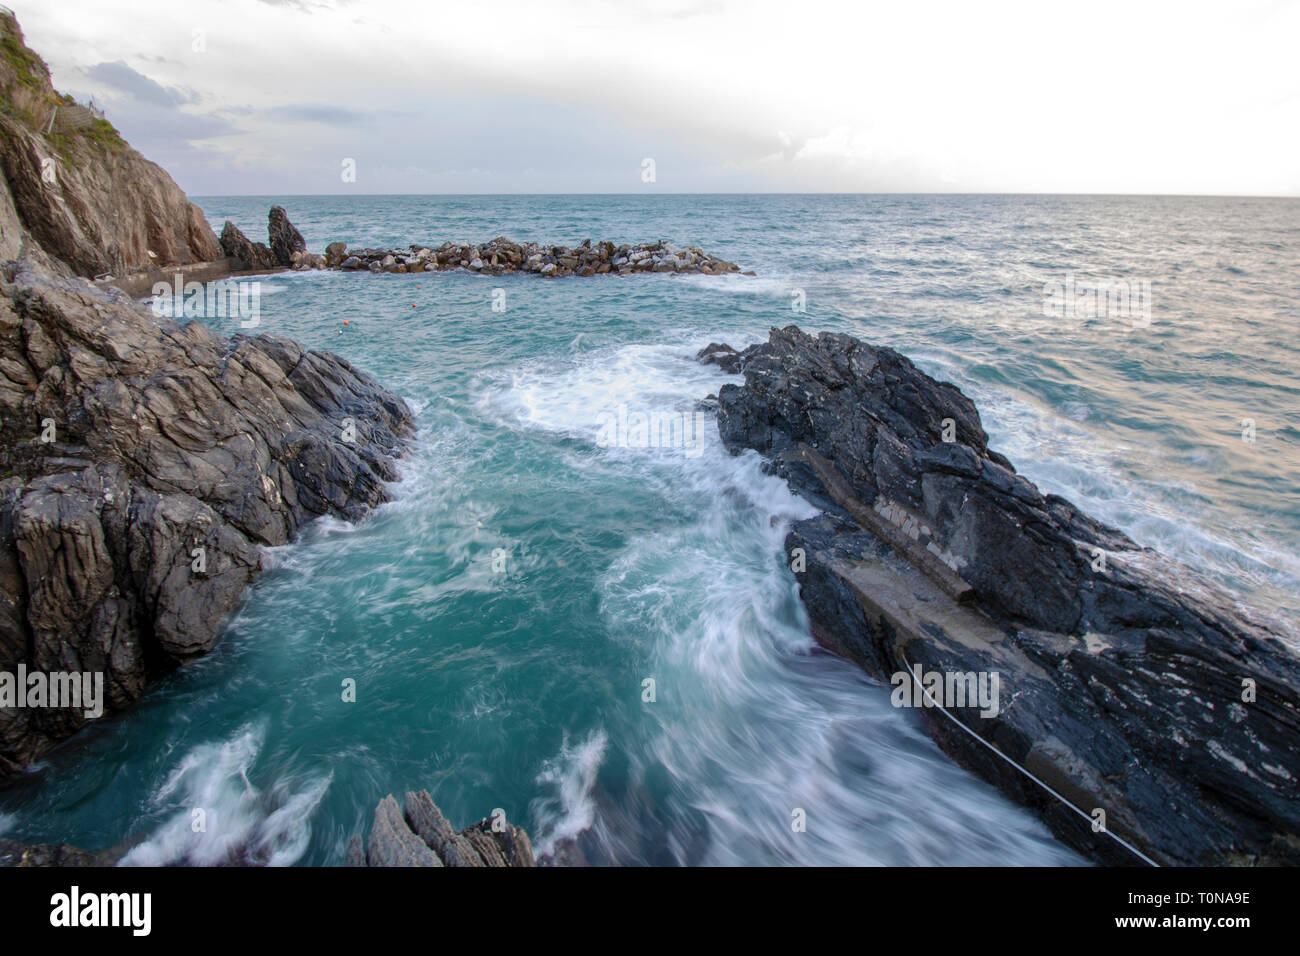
(1015, 96)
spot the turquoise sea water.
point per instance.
(517, 683)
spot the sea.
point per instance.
(599, 637)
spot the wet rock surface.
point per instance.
(1128, 684)
(144, 465)
(421, 836)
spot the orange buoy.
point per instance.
(345, 321)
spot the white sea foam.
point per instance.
(568, 809)
(221, 817)
(751, 720)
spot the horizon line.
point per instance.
(1067, 195)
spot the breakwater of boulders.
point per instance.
(288, 249)
(501, 255)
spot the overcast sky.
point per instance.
(272, 96)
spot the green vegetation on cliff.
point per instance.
(27, 96)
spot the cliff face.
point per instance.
(1127, 684)
(75, 186)
(144, 464)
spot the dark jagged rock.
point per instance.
(423, 837)
(1129, 684)
(284, 237)
(145, 465)
(252, 256)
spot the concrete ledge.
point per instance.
(140, 285)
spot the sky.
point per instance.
(289, 96)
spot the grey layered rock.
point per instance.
(423, 837)
(392, 843)
(1128, 683)
(424, 817)
(173, 457)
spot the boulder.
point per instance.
(335, 253)
(501, 256)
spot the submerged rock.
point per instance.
(1127, 683)
(423, 837)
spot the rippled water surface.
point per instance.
(519, 685)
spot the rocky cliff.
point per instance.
(144, 464)
(1158, 710)
(76, 188)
